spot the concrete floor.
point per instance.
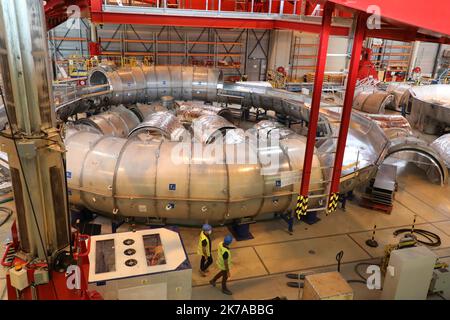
(260, 264)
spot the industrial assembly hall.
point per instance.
(224, 150)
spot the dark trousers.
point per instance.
(224, 275)
(205, 263)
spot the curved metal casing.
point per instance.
(141, 178)
(150, 83)
(208, 127)
(429, 108)
(118, 122)
(163, 124)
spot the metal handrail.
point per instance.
(267, 9)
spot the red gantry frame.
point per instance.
(402, 20)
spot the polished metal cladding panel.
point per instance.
(129, 119)
(442, 146)
(177, 82)
(100, 123)
(200, 84)
(116, 96)
(163, 124)
(145, 110)
(148, 83)
(189, 111)
(78, 146)
(212, 82)
(208, 127)
(172, 183)
(376, 102)
(208, 189)
(119, 126)
(360, 99)
(129, 86)
(117, 122)
(293, 108)
(97, 177)
(430, 108)
(294, 147)
(151, 83)
(135, 181)
(400, 90)
(163, 80)
(422, 154)
(246, 183)
(278, 198)
(187, 78)
(140, 81)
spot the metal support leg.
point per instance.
(302, 202)
(288, 217)
(347, 110)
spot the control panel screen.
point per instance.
(154, 252)
(105, 257)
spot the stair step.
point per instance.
(325, 138)
(320, 181)
(317, 209)
(328, 121)
(318, 196)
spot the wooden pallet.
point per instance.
(367, 203)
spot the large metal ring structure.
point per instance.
(141, 178)
(138, 178)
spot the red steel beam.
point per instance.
(180, 21)
(302, 201)
(101, 17)
(399, 33)
(431, 15)
(310, 27)
(347, 109)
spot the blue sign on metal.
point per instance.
(69, 175)
(278, 183)
(172, 187)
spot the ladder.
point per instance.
(315, 197)
(327, 187)
(304, 57)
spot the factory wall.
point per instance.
(426, 57)
(294, 50)
(210, 47)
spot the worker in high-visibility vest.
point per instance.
(204, 249)
(224, 264)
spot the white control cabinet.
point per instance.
(409, 274)
(142, 265)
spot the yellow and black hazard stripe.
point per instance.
(302, 206)
(332, 203)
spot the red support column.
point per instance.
(302, 201)
(96, 5)
(347, 110)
